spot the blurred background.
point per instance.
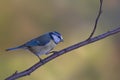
(22, 20)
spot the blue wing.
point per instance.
(40, 41)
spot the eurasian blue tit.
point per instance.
(42, 44)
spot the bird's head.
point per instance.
(56, 36)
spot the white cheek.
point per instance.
(56, 39)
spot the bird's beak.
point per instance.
(61, 40)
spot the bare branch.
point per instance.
(61, 52)
(28, 71)
(97, 19)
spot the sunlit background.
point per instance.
(22, 20)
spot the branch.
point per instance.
(61, 52)
(97, 19)
(28, 71)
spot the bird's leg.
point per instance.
(40, 59)
(53, 51)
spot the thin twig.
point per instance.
(61, 52)
(28, 71)
(97, 19)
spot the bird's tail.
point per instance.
(9, 49)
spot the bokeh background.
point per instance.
(22, 20)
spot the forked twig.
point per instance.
(61, 52)
(28, 71)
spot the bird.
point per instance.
(42, 44)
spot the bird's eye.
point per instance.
(59, 37)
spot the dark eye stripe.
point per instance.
(60, 37)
